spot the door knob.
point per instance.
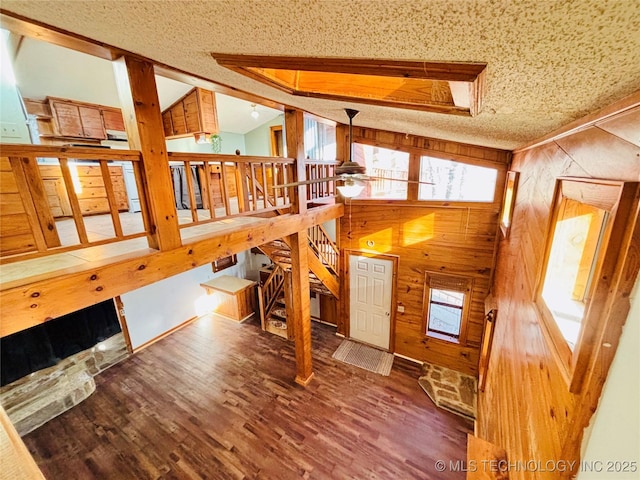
(387, 314)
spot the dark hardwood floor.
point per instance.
(217, 400)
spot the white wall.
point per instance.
(258, 140)
(230, 142)
(157, 308)
(615, 427)
(60, 72)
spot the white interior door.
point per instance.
(370, 283)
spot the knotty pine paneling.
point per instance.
(527, 407)
(440, 239)
(15, 229)
(456, 239)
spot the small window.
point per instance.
(390, 169)
(456, 181)
(446, 305)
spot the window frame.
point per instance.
(616, 198)
(466, 287)
(415, 153)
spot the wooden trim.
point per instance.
(123, 322)
(574, 364)
(41, 31)
(461, 339)
(17, 462)
(73, 200)
(77, 153)
(451, 71)
(167, 333)
(346, 292)
(50, 297)
(613, 110)
(30, 208)
(508, 201)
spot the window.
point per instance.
(319, 140)
(446, 306)
(577, 237)
(588, 220)
(456, 181)
(390, 168)
(508, 202)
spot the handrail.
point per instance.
(324, 247)
(269, 292)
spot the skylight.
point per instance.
(453, 88)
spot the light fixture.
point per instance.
(350, 189)
(201, 138)
(254, 112)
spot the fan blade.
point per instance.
(308, 182)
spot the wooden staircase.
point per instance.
(323, 278)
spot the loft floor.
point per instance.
(217, 400)
(40, 268)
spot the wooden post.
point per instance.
(294, 131)
(299, 309)
(143, 120)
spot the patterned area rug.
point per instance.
(451, 390)
(365, 357)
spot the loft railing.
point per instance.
(58, 198)
(316, 169)
(52, 191)
(326, 250)
(214, 186)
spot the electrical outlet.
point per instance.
(9, 130)
(401, 308)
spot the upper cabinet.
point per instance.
(62, 119)
(193, 113)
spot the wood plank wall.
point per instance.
(432, 236)
(527, 407)
(16, 235)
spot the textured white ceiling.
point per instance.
(549, 62)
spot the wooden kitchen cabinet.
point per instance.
(73, 119)
(112, 119)
(60, 120)
(193, 113)
(92, 195)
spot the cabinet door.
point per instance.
(192, 118)
(178, 119)
(67, 117)
(113, 120)
(91, 119)
(208, 114)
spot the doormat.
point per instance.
(450, 390)
(365, 357)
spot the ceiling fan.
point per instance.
(351, 173)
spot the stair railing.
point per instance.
(324, 247)
(269, 291)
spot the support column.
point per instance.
(143, 120)
(299, 312)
